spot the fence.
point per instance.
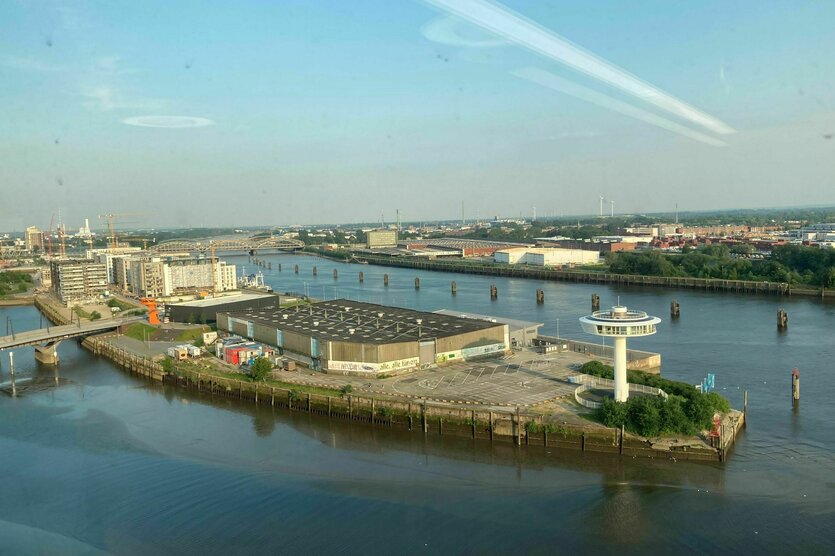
(589, 382)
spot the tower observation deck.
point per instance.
(619, 323)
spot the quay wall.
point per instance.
(587, 277)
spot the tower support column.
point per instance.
(621, 387)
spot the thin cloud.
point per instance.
(548, 79)
(112, 65)
(107, 99)
(168, 122)
(454, 31)
(524, 32)
(28, 64)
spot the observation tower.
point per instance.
(620, 323)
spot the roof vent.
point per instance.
(351, 330)
(284, 317)
(315, 323)
(419, 321)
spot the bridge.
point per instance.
(247, 245)
(46, 340)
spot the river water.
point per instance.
(109, 463)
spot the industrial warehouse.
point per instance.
(350, 337)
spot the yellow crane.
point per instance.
(111, 224)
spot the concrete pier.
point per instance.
(48, 354)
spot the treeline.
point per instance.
(792, 264)
(685, 411)
(14, 282)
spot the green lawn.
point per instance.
(192, 334)
(140, 331)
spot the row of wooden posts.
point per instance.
(675, 308)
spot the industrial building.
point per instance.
(546, 256)
(351, 337)
(206, 310)
(78, 280)
(377, 239)
(520, 332)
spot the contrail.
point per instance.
(524, 32)
(548, 79)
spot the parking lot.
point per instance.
(525, 378)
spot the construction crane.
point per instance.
(49, 236)
(214, 265)
(111, 224)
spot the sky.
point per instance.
(276, 113)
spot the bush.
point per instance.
(673, 417)
(168, 365)
(347, 389)
(612, 413)
(95, 315)
(385, 412)
(644, 416)
(260, 369)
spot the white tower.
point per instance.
(619, 323)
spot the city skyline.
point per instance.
(275, 115)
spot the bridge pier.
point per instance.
(48, 354)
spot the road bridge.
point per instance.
(249, 245)
(46, 340)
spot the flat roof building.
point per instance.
(351, 337)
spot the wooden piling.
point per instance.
(795, 385)
(335, 274)
(385, 279)
(782, 319)
(315, 271)
(417, 283)
(675, 310)
(296, 269)
(362, 277)
(595, 302)
(453, 287)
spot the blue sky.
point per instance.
(259, 113)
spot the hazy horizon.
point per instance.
(262, 115)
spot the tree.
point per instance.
(260, 369)
(168, 365)
(347, 389)
(95, 315)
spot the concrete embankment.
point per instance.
(637, 360)
(701, 284)
(17, 301)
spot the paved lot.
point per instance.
(524, 378)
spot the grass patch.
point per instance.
(122, 305)
(192, 334)
(81, 313)
(140, 331)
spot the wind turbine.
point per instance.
(613, 208)
(601, 205)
